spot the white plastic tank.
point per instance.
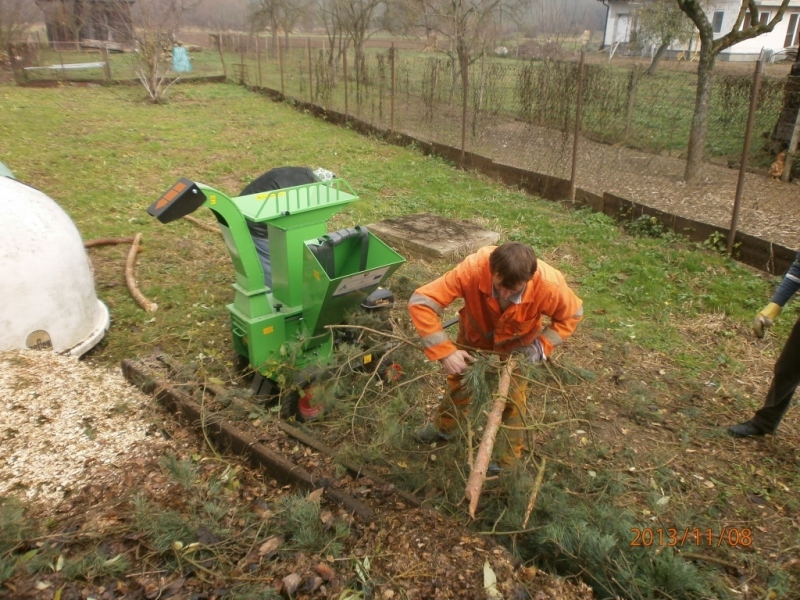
(47, 296)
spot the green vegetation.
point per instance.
(651, 113)
(629, 414)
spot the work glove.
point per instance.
(534, 352)
(456, 362)
(765, 318)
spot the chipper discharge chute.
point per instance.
(317, 276)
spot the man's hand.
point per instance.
(534, 352)
(456, 362)
(765, 318)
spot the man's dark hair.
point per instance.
(513, 262)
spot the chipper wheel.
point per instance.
(297, 402)
(301, 404)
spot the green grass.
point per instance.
(661, 361)
(539, 92)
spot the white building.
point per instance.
(621, 26)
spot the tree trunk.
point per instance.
(662, 50)
(697, 136)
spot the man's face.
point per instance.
(504, 292)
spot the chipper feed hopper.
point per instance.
(317, 276)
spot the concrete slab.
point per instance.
(433, 236)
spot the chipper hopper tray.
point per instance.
(317, 276)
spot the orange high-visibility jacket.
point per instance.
(481, 323)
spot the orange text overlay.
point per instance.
(729, 536)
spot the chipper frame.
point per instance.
(317, 276)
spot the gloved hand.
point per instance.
(534, 352)
(765, 318)
(456, 362)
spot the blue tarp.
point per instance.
(180, 60)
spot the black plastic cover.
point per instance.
(183, 198)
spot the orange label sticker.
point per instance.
(268, 330)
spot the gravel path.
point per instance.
(770, 209)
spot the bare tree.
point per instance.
(357, 19)
(16, 17)
(329, 12)
(709, 49)
(73, 17)
(662, 23)
(155, 24)
(291, 12)
(471, 27)
(266, 17)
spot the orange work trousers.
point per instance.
(453, 409)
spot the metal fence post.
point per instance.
(280, 65)
(258, 59)
(221, 56)
(631, 100)
(16, 66)
(107, 63)
(576, 134)
(344, 68)
(241, 58)
(464, 102)
(392, 55)
(748, 134)
(310, 74)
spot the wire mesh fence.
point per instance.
(81, 62)
(520, 112)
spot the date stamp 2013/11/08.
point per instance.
(728, 536)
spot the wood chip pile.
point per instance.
(61, 418)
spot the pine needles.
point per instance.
(303, 526)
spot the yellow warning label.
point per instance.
(367, 359)
(213, 199)
(268, 330)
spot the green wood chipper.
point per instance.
(317, 276)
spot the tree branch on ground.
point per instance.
(478, 475)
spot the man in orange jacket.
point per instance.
(506, 292)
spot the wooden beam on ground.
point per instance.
(227, 436)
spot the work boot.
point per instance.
(428, 434)
(746, 429)
(493, 470)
